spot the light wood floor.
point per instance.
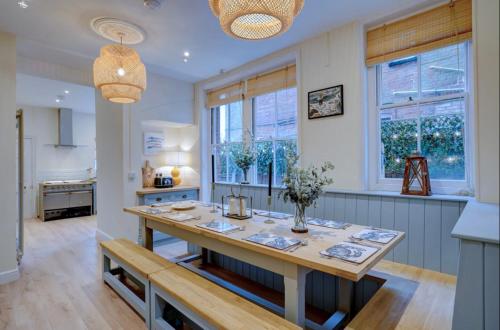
(61, 288)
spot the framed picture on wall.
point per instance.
(154, 142)
(326, 102)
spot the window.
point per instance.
(422, 106)
(227, 131)
(273, 121)
(275, 131)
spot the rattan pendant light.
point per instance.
(255, 19)
(120, 74)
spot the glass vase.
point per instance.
(300, 221)
(245, 180)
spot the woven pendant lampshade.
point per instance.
(120, 74)
(255, 19)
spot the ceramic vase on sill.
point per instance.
(300, 220)
(245, 180)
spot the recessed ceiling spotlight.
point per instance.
(23, 4)
(58, 100)
(186, 54)
(185, 60)
(66, 91)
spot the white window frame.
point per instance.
(274, 139)
(248, 125)
(375, 172)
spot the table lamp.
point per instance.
(177, 159)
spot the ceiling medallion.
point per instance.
(255, 19)
(118, 71)
(117, 30)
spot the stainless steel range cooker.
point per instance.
(65, 199)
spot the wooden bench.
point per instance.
(138, 263)
(206, 304)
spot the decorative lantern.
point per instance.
(120, 74)
(255, 19)
(237, 207)
(416, 174)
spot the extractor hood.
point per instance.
(65, 118)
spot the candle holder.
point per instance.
(214, 209)
(238, 207)
(269, 220)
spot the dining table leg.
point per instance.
(148, 236)
(346, 293)
(294, 278)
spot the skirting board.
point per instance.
(9, 276)
(102, 236)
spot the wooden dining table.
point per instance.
(294, 266)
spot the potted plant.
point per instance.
(244, 155)
(303, 187)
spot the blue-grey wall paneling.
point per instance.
(339, 211)
(401, 218)
(387, 209)
(361, 210)
(450, 212)
(432, 235)
(374, 211)
(491, 287)
(350, 208)
(416, 232)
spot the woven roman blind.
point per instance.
(441, 26)
(272, 81)
(225, 95)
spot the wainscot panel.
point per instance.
(427, 222)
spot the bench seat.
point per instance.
(135, 256)
(138, 264)
(207, 304)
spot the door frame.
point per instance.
(34, 194)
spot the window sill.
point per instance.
(382, 193)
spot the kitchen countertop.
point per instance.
(147, 191)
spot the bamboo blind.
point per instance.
(261, 84)
(272, 81)
(441, 26)
(225, 95)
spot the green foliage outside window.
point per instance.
(442, 142)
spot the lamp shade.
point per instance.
(177, 158)
(120, 74)
(255, 19)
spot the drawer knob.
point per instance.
(184, 196)
(158, 199)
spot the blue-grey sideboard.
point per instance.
(148, 196)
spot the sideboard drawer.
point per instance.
(171, 196)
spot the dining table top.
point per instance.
(318, 238)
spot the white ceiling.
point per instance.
(40, 92)
(59, 31)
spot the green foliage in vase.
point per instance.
(244, 154)
(303, 186)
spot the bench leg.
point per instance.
(295, 293)
(148, 237)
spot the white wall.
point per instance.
(120, 148)
(60, 163)
(486, 46)
(8, 204)
(331, 59)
